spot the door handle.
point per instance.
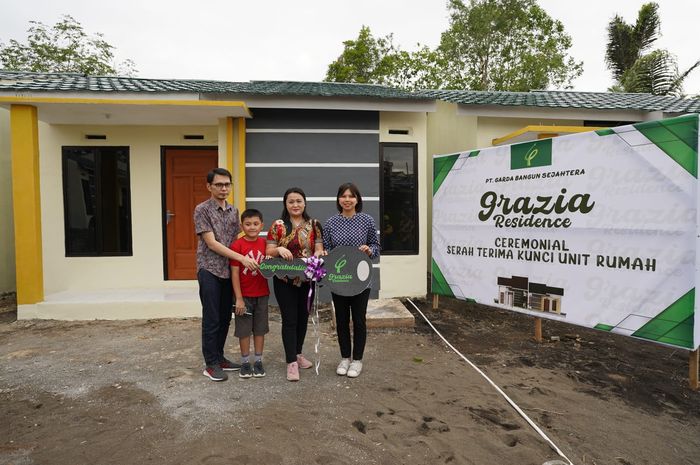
(168, 216)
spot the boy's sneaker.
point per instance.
(293, 371)
(215, 373)
(355, 369)
(258, 370)
(343, 366)
(303, 362)
(246, 371)
(228, 365)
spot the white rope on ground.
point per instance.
(495, 386)
(317, 335)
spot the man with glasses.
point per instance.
(216, 224)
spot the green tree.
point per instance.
(366, 60)
(511, 45)
(489, 45)
(655, 72)
(63, 47)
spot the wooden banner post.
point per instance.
(436, 299)
(538, 329)
(693, 370)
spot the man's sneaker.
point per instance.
(343, 366)
(215, 373)
(355, 369)
(303, 362)
(246, 371)
(293, 371)
(228, 365)
(258, 370)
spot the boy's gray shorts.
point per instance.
(256, 324)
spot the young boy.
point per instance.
(252, 293)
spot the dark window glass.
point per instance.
(399, 198)
(97, 201)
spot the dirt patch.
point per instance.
(644, 375)
(8, 307)
(133, 392)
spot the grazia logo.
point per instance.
(339, 264)
(531, 154)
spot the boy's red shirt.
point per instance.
(253, 283)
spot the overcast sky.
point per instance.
(296, 40)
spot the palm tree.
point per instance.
(655, 72)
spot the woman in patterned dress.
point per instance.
(294, 235)
(352, 228)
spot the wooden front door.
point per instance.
(185, 187)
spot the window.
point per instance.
(399, 197)
(96, 201)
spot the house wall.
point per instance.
(145, 267)
(406, 275)
(7, 233)
(448, 132)
(326, 149)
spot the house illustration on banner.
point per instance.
(518, 291)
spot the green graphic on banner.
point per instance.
(441, 168)
(677, 137)
(674, 325)
(605, 132)
(438, 283)
(531, 154)
(604, 327)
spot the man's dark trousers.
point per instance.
(216, 295)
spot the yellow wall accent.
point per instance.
(229, 158)
(492, 127)
(235, 160)
(241, 186)
(544, 131)
(24, 137)
(144, 102)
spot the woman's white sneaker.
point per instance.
(355, 369)
(343, 366)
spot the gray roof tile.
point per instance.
(72, 82)
(13, 80)
(570, 99)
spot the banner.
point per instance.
(598, 229)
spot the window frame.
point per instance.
(416, 218)
(98, 197)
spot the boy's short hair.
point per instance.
(251, 213)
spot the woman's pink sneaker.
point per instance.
(292, 371)
(303, 362)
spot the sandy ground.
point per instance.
(132, 392)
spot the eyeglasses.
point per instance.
(222, 185)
